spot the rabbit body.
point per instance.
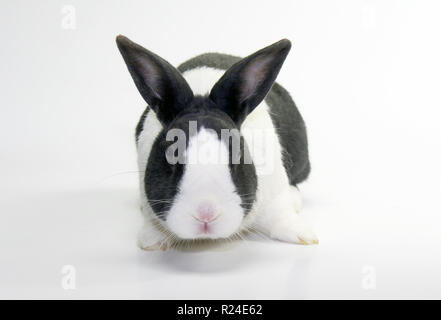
(262, 196)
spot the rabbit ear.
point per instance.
(160, 84)
(247, 82)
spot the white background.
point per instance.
(366, 77)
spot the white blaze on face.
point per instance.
(207, 205)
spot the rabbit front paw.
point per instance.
(293, 230)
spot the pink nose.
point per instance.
(206, 212)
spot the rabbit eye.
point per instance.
(173, 168)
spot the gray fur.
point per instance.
(211, 60)
(286, 117)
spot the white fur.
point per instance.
(206, 178)
(276, 209)
(202, 79)
(151, 128)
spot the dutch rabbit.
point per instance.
(221, 147)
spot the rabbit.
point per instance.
(185, 198)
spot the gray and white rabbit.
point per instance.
(198, 102)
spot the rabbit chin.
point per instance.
(187, 225)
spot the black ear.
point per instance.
(160, 84)
(247, 82)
